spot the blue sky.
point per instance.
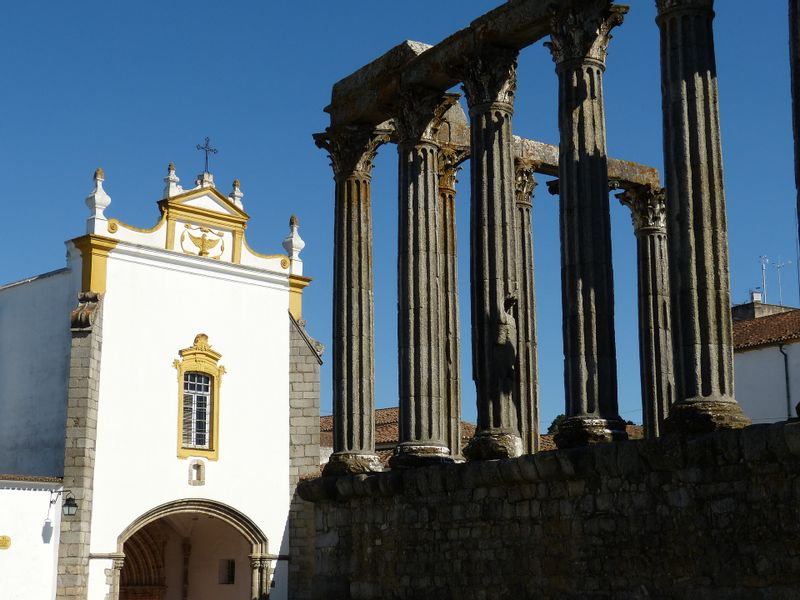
(133, 86)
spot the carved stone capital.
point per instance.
(554, 187)
(82, 317)
(578, 34)
(524, 180)
(351, 148)
(675, 6)
(648, 208)
(450, 157)
(419, 113)
(490, 76)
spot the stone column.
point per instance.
(794, 59)
(527, 393)
(255, 579)
(648, 213)
(420, 295)
(86, 323)
(489, 84)
(579, 40)
(696, 221)
(450, 158)
(352, 150)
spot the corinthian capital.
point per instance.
(490, 76)
(665, 6)
(450, 157)
(648, 208)
(524, 180)
(580, 33)
(419, 113)
(351, 148)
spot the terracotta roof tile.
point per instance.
(386, 431)
(763, 331)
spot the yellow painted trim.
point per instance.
(170, 234)
(200, 358)
(115, 224)
(236, 251)
(259, 255)
(94, 261)
(297, 283)
(180, 199)
(206, 217)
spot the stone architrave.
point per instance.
(648, 213)
(450, 158)
(420, 294)
(579, 40)
(527, 393)
(696, 222)
(489, 79)
(352, 149)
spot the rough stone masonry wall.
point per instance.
(716, 516)
(304, 363)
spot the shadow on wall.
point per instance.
(47, 531)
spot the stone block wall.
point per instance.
(716, 516)
(79, 448)
(304, 363)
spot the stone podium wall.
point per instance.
(716, 516)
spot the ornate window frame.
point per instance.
(200, 358)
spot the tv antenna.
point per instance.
(778, 266)
(764, 262)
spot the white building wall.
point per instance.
(28, 566)
(34, 346)
(155, 304)
(761, 382)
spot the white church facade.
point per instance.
(163, 389)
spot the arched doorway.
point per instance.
(193, 548)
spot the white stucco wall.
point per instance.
(34, 346)
(156, 302)
(28, 566)
(761, 383)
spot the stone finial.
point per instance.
(204, 180)
(236, 194)
(294, 244)
(171, 187)
(97, 202)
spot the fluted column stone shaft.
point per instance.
(696, 221)
(420, 293)
(579, 40)
(794, 61)
(489, 84)
(449, 159)
(648, 213)
(527, 394)
(352, 150)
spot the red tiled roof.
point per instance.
(386, 431)
(763, 331)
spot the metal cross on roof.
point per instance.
(207, 148)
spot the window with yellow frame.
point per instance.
(199, 376)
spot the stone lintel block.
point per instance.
(705, 416)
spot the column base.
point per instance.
(704, 416)
(586, 431)
(346, 463)
(487, 446)
(411, 455)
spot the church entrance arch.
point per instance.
(192, 548)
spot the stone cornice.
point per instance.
(648, 208)
(352, 148)
(578, 34)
